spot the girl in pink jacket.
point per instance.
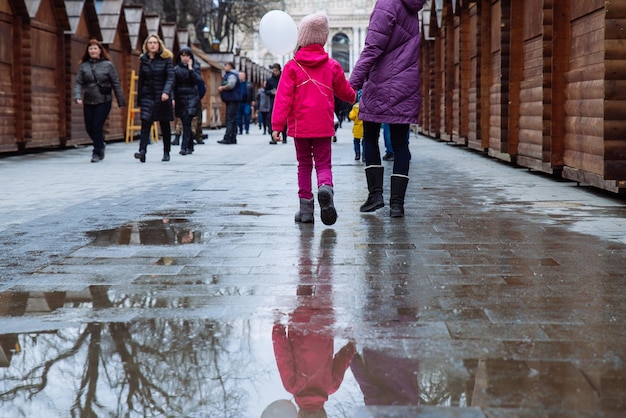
(305, 104)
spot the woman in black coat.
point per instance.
(187, 97)
(154, 94)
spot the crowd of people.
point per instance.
(298, 101)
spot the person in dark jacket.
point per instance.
(230, 93)
(247, 102)
(388, 72)
(263, 101)
(271, 85)
(95, 80)
(154, 94)
(186, 95)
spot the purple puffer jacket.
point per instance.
(388, 68)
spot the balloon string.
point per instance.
(310, 79)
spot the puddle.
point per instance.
(162, 231)
(116, 363)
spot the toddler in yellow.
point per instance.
(357, 128)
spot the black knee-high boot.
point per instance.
(374, 176)
(398, 191)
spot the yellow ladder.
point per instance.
(133, 112)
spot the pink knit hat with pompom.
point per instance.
(313, 29)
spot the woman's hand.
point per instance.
(165, 97)
(276, 136)
(79, 101)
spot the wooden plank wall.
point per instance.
(437, 92)
(8, 110)
(440, 84)
(465, 72)
(455, 76)
(450, 89)
(499, 83)
(474, 98)
(536, 87)
(595, 125)
(615, 91)
(584, 107)
(120, 52)
(545, 84)
(77, 133)
(45, 47)
(426, 71)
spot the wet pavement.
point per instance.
(185, 289)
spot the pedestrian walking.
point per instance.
(230, 92)
(271, 85)
(263, 103)
(96, 79)
(388, 72)
(304, 104)
(357, 127)
(387, 139)
(245, 106)
(154, 94)
(186, 95)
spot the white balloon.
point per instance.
(281, 408)
(278, 32)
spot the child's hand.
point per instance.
(276, 136)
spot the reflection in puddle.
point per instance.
(162, 231)
(172, 366)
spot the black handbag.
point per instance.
(103, 89)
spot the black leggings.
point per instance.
(399, 143)
(166, 131)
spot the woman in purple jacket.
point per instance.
(388, 72)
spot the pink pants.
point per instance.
(311, 151)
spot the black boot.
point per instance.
(141, 155)
(398, 190)
(176, 140)
(166, 156)
(374, 176)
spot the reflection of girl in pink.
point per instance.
(304, 349)
(307, 366)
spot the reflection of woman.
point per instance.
(385, 379)
(154, 94)
(95, 81)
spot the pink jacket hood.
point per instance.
(305, 96)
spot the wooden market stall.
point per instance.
(595, 95)
(541, 89)
(427, 54)
(502, 141)
(12, 20)
(41, 108)
(116, 39)
(545, 84)
(137, 33)
(212, 75)
(84, 26)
